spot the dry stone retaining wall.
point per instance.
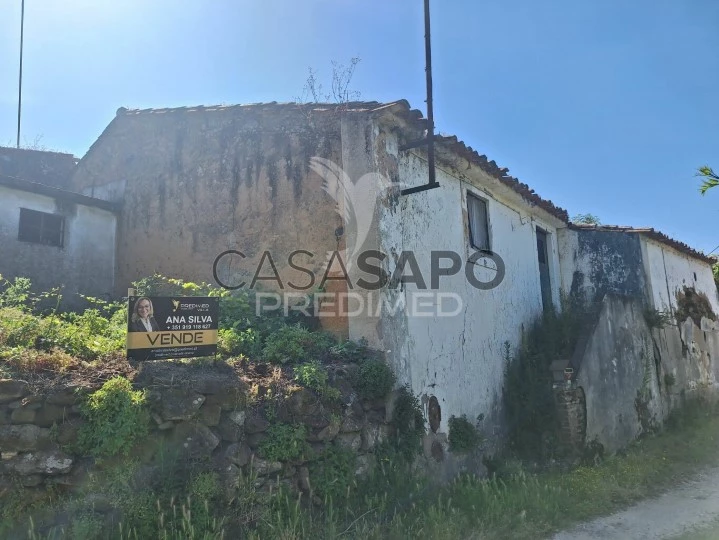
(208, 415)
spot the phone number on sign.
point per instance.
(189, 327)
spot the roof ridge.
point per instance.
(364, 105)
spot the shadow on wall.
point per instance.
(635, 372)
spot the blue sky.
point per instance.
(603, 107)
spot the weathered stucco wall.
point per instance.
(670, 271)
(457, 358)
(636, 369)
(619, 375)
(85, 264)
(195, 183)
(594, 263)
(684, 288)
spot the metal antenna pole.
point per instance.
(19, 91)
(427, 141)
(430, 101)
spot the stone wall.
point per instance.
(207, 414)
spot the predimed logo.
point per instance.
(197, 307)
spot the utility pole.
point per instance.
(19, 90)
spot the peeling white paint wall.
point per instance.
(86, 262)
(460, 359)
(690, 351)
(669, 271)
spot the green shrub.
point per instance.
(407, 425)
(295, 344)
(313, 375)
(333, 473)
(15, 293)
(20, 329)
(284, 442)
(374, 379)
(116, 418)
(233, 342)
(463, 436)
(89, 334)
(350, 351)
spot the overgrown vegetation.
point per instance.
(391, 502)
(295, 344)
(314, 376)
(463, 435)
(407, 425)
(176, 499)
(36, 336)
(586, 219)
(528, 397)
(284, 442)
(116, 418)
(332, 476)
(374, 379)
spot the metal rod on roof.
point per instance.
(19, 90)
(430, 102)
(429, 139)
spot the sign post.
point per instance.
(161, 327)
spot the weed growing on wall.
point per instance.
(463, 435)
(657, 319)
(116, 418)
(313, 375)
(294, 344)
(528, 398)
(407, 425)
(374, 379)
(284, 442)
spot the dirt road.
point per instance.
(692, 505)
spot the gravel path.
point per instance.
(692, 504)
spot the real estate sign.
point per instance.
(160, 327)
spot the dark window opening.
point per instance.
(478, 223)
(543, 258)
(41, 228)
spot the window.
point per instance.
(543, 258)
(478, 222)
(41, 228)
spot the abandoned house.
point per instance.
(195, 182)
(49, 234)
(299, 183)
